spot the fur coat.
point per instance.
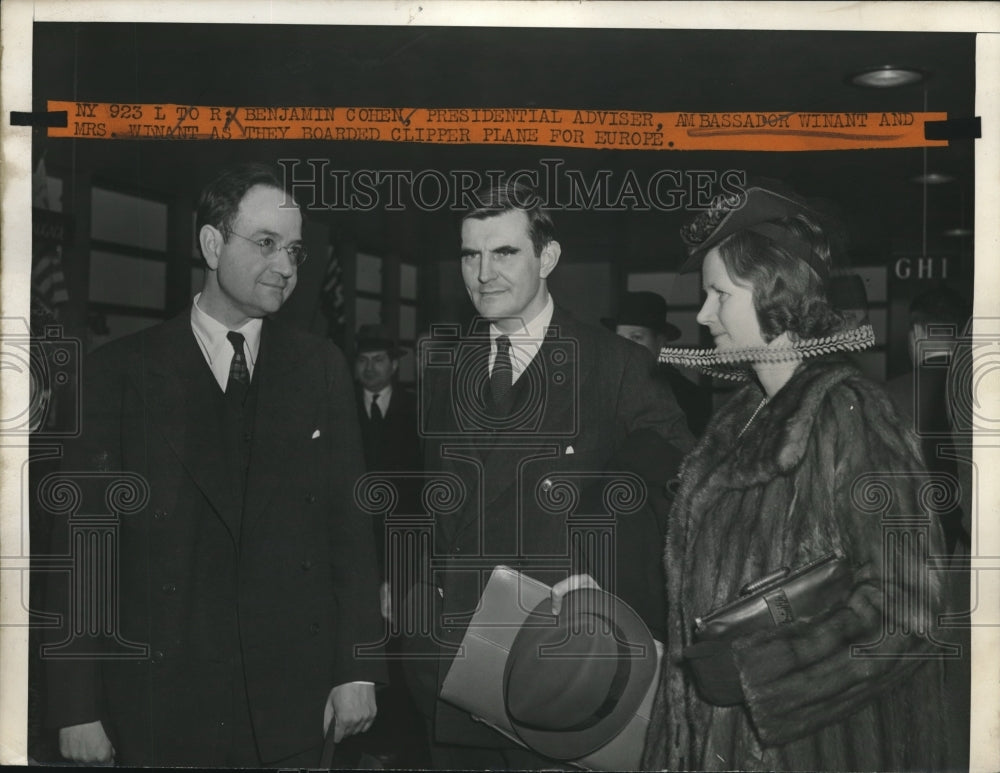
(820, 468)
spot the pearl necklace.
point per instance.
(763, 402)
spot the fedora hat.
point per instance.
(752, 209)
(643, 309)
(572, 682)
(375, 338)
(577, 687)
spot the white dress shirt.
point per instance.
(218, 352)
(384, 397)
(525, 343)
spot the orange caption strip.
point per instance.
(593, 129)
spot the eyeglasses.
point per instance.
(269, 247)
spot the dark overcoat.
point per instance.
(391, 449)
(526, 479)
(826, 465)
(289, 582)
(396, 447)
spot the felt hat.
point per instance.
(753, 209)
(643, 309)
(577, 687)
(375, 338)
(572, 682)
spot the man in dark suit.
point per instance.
(527, 410)
(248, 577)
(388, 416)
(388, 413)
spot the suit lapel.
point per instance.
(462, 406)
(282, 400)
(184, 399)
(556, 368)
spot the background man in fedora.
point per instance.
(642, 318)
(531, 403)
(249, 574)
(388, 416)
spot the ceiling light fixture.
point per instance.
(887, 77)
(961, 231)
(933, 178)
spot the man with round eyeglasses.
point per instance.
(249, 579)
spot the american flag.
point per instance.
(48, 282)
(332, 298)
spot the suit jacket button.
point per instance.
(158, 656)
(307, 565)
(310, 498)
(314, 628)
(546, 485)
(247, 436)
(169, 587)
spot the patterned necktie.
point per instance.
(239, 373)
(503, 372)
(376, 412)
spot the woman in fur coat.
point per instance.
(808, 458)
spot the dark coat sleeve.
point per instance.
(639, 534)
(654, 439)
(73, 694)
(801, 678)
(352, 551)
(645, 403)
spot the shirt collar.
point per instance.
(218, 352)
(534, 330)
(383, 397)
(524, 343)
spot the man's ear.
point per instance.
(549, 258)
(211, 241)
(395, 366)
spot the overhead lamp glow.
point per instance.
(933, 178)
(887, 77)
(958, 232)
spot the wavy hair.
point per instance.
(220, 200)
(508, 195)
(788, 295)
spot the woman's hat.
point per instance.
(643, 309)
(753, 209)
(847, 291)
(574, 681)
(376, 338)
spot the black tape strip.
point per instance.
(954, 129)
(56, 119)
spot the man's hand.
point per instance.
(573, 582)
(385, 601)
(86, 743)
(352, 709)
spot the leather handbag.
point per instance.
(779, 598)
